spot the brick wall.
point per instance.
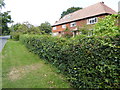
(80, 23)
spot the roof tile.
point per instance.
(93, 10)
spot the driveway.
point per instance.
(3, 41)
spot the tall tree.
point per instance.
(4, 20)
(70, 10)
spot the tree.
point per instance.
(45, 27)
(119, 19)
(2, 4)
(4, 20)
(15, 27)
(24, 28)
(70, 10)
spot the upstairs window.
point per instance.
(54, 28)
(73, 24)
(63, 26)
(92, 20)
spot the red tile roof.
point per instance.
(93, 10)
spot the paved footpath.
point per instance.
(3, 41)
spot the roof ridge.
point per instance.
(92, 5)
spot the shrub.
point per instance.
(107, 26)
(85, 61)
(15, 35)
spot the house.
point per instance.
(78, 19)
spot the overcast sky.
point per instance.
(39, 11)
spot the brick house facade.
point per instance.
(86, 16)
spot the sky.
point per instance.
(40, 11)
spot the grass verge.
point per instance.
(22, 69)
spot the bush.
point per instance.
(15, 35)
(107, 26)
(85, 61)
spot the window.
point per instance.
(63, 26)
(54, 28)
(73, 24)
(90, 33)
(55, 34)
(92, 20)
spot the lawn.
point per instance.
(23, 69)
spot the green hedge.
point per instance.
(87, 62)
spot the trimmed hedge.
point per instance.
(86, 62)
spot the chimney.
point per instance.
(102, 2)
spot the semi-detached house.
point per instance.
(80, 18)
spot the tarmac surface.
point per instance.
(3, 40)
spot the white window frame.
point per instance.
(54, 28)
(73, 24)
(63, 26)
(92, 20)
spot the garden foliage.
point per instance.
(86, 61)
(25, 28)
(107, 26)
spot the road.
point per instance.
(3, 41)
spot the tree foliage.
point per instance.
(70, 10)
(2, 4)
(15, 27)
(45, 28)
(24, 28)
(107, 26)
(27, 28)
(5, 19)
